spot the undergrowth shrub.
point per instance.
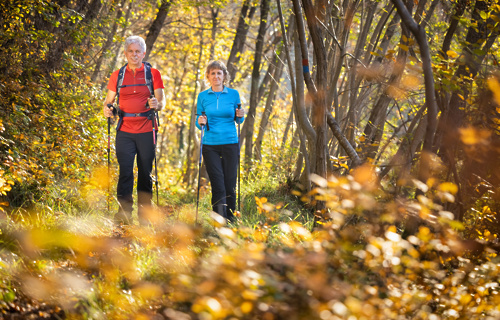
(369, 257)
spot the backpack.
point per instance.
(119, 85)
(121, 75)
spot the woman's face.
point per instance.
(216, 77)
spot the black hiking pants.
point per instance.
(128, 147)
(221, 162)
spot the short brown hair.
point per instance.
(216, 64)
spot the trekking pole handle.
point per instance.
(109, 105)
(147, 103)
(239, 107)
(203, 114)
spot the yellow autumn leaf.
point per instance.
(354, 305)
(365, 175)
(250, 295)
(410, 82)
(246, 307)
(452, 54)
(494, 86)
(395, 92)
(300, 231)
(403, 47)
(260, 201)
(260, 235)
(472, 136)
(486, 210)
(448, 187)
(392, 229)
(148, 290)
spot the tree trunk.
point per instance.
(164, 139)
(454, 116)
(192, 154)
(112, 65)
(297, 84)
(109, 41)
(452, 28)
(246, 15)
(269, 106)
(300, 108)
(377, 33)
(271, 69)
(155, 28)
(374, 128)
(387, 38)
(305, 177)
(346, 145)
(248, 125)
(215, 23)
(430, 12)
(354, 78)
(344, 31)
(443, 95)
(402, 160)
(418, 32)
(478, 36)
(287, 129)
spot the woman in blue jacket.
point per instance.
(217, 108)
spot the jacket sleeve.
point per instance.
(157, 80)
(113, 79)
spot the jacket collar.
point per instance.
(224, 90)
(138, 69)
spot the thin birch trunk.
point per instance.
(269, 107)
(248, 125)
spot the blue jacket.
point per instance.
(221, 115)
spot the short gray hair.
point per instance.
(137, 40)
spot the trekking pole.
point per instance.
(156, 166)
(155, 115)
(199, 169)
(109, 153)
(239, 162)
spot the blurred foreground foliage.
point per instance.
(370, 257)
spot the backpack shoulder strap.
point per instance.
(149, 77)
(119, 83)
